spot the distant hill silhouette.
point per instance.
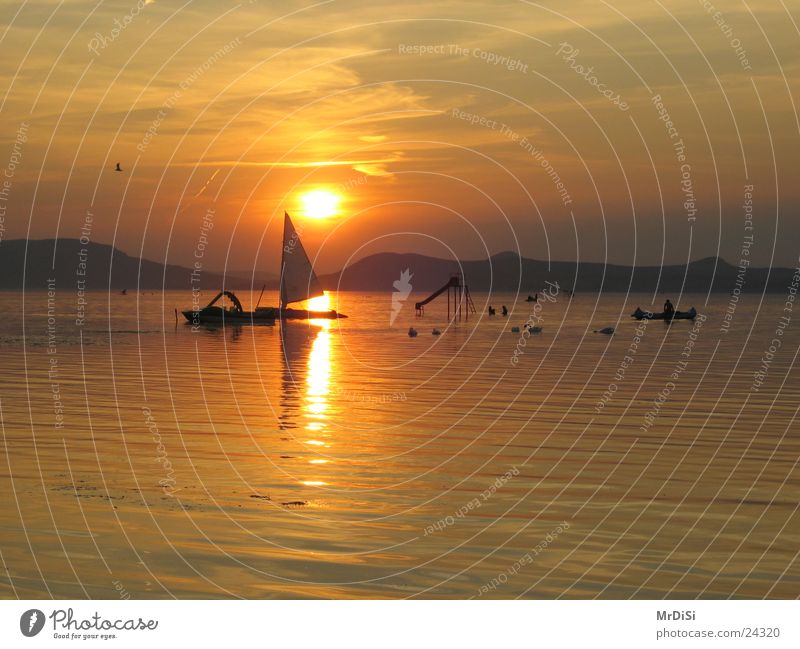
(105, 266)
(258, 278)
(506, 271)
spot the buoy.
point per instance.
(436, 332)
(412, 333)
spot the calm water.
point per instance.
(346, 459)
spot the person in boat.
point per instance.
(505, 311)
(669, 310)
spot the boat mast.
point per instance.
(260, 295)
(283, 264)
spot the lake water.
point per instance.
(144, 459)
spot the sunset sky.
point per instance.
(439, 127)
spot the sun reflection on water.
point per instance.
(318, 378)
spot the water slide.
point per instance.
(453, 281)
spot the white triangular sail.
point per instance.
(298, 279)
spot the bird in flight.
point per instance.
(118, 168)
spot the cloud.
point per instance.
(375, 166)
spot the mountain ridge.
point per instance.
(108, 267)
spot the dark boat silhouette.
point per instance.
(298, 283)
(234, 314)
(691, 314)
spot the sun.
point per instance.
(320, 203)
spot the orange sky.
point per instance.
(452, 121)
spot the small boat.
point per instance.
(608, 331)
(691, 314)
(298, 283)
(233, 314)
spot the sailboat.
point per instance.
(298, 283)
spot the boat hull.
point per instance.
(214, 315)
(691, 314)
(300, 314)
(263, 316)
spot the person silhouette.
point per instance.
(118, 168)
(669, 310)
(505, 311)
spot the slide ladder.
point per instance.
(460, 298)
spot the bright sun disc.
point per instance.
(319, 204)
